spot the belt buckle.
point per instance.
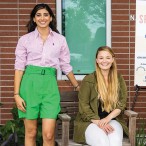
(43, 72)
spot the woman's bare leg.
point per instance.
(30, 132)
(48, 130)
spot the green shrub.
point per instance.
(141, 133)
(16, 125)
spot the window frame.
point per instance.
(60, 76)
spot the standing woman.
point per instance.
(102, 100)
(38, 54)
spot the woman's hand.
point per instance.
(104, 121)
(95, 121)
(107, 128)
(78, 88)
(20, 103)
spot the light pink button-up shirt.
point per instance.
(54, 52)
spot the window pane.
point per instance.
(84, 26)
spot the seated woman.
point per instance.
(102, 100)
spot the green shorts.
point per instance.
(40, 92)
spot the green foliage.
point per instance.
(16, 125)
(1, 104)
(141, 133)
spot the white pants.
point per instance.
(95, 136)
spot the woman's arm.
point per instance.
(87, 109)
(17, 80)
(114, 114)
(121, 104)
(107, 119)
(74, 82)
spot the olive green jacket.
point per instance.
(88, 106)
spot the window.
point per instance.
(86, 26)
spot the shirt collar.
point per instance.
(37, 34)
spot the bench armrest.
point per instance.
(64, 117)
(65, 128)
(132, 125)
(130, 113)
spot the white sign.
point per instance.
(140, 44)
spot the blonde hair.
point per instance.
(108, 95)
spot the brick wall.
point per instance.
(123, 43)
(14, 15)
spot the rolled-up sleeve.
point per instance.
(121, 104)
(21, 55)
(65, 58)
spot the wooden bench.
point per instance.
(69, 109)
